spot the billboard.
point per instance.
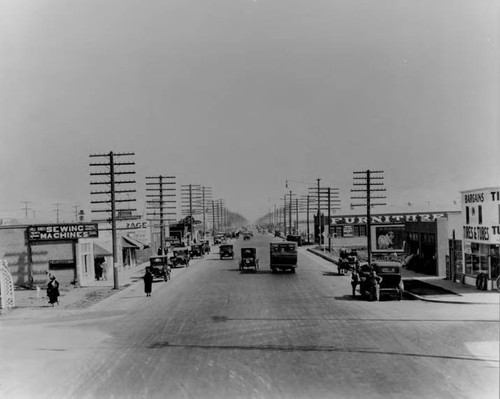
(388, 238)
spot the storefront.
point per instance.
(481, 236)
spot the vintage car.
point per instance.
(247, 236)
(249, 259)
(294, 238)
(283, 256)
(392, 282)
(218, 239)
(226, 251)
(348, 260)
(159, 266)
(206, 247)
(197, 250)
(180, 257)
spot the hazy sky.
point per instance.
(240, 95)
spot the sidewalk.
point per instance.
(434, 289)
(31, 304)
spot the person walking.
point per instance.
(104, 268)
(375, 281)
(148, 282)
(354, 280)
(53, 290)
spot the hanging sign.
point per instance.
(62, 232)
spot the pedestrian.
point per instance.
(375, 281)
(53, 290)
(104, 268)
(148, 282)
(354, 280)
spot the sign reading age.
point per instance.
(60, 232)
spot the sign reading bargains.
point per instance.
(60, 232)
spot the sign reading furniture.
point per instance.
(62, 232)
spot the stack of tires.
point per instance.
(482, 281)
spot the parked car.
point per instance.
(392, 282)
(283, 256)
(348, 260)
(159, 266)
(249, 259)
(197, 250)
(247, 236)
(206, 247)
(294, 238)
(226, 251)
(180, 257)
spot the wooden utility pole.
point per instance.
(161, 189)
(108, 170)
(366, 187)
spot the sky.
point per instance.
(245, 95)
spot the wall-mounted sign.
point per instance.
(389, 218)
(62, 232)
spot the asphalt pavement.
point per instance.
(33, 303)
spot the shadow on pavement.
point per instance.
(418, 287)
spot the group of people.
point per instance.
(374, 281)
(101, 270)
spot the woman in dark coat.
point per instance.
(148, 282)
(53, 290)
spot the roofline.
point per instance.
(480, 189)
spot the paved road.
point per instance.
(213, 332)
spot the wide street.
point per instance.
(215, 332)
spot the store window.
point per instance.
(477, 261)
(495, 261)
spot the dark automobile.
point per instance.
(206, 247)
(249, 259)
(218, 239)
(283, 256)
(392, 282)
(197, 250)
(159, 266)
(348, 260)
(247, 236)
(180, 257)
(294, 238)
(226, 251)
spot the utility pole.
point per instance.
(206, 196)
(191, 203)
(57, 205)
(367, 177)
(26, 208)
(108, 170)
(161, 189)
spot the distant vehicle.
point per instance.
(180, 257)
(206, 247)
(249, 259)
(294, 238)
(246, 236)
(159, 266)
(226, 251)
(283, 256)
(218, 239)
(348, 260)
(392, 282)
(197, 250)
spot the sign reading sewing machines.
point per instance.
(59, 232)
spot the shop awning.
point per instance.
(129, 242)
(100, 251)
